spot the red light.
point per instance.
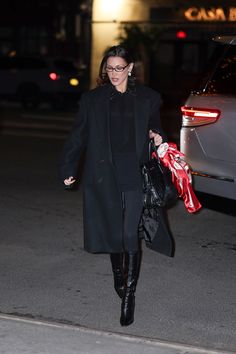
(53, 76)
(199, 116)
(181, 35)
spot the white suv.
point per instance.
(208, 133)
(32, 80)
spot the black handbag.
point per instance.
(154, 229)
(158, 188)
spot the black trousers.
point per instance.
(132, 209)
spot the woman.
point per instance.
(114, 125)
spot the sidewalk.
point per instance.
(20, 335)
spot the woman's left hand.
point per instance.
(157, 137)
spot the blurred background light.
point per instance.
(110, 9)
(181, 35)
(74, 82)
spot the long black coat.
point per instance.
(102, 201)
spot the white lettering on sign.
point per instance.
(210, 14)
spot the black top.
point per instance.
(122, 132)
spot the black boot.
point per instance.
(117, 260)
(128, 302)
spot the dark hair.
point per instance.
(115, 51)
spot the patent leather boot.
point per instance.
(117, 260)
(128, 301)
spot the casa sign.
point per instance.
(210, 14)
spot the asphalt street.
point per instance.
(45, 274)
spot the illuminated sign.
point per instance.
(210, 14)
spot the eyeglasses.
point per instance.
(118, 68)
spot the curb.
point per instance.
(129, 338)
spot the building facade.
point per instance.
(180, 32)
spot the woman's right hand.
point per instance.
(69, 181)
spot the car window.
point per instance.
(21, 63)
(5, 63)
(28, 63)
(66, 66)
(223, 81)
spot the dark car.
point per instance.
(32, 80)
(208, 134)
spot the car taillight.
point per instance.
(54, 76)
(192, 116)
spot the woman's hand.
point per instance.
(157, 137)
(69, 181)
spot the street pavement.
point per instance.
(46, 122)
(60, 299)
(41, 122)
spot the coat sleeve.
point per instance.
(75, 143)
(154, 120)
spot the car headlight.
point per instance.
(74, 82)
